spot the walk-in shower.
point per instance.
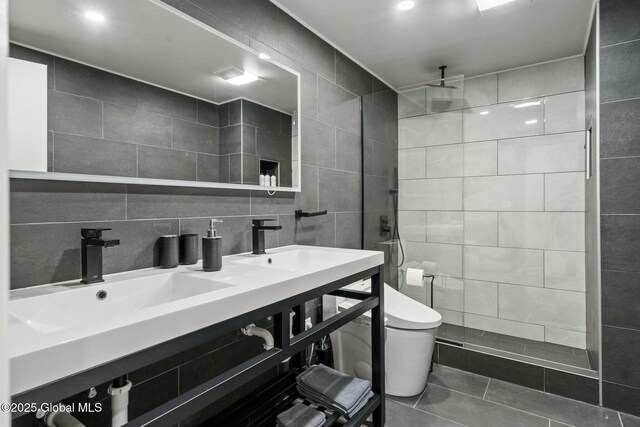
(490, 200)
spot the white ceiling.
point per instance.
(148, 42)
(406, 48)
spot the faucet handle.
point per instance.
(261, 221)
(93, 233)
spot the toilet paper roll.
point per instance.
(414, 277)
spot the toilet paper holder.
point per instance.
(424, 276)
(432, 277)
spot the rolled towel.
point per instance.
(300, 415)
(333, 388)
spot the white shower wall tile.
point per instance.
(565, 337)
(411, 163)
(431, 194)
(444, 161)
(562, 152)
(542, 306)
(451, 317)
(520, 266)
(481, 228)
(480, 91)
(481, 158)
(562, 231)
(445, 99)
(444, 259)
(501, 121)
(545, 79)
(504, 193)
(412, 225)
(564, 192)
(453, 293)
(564, 270)
(411, 103)
(564, 113)
(498, 199)
(429, 130)
(503, 326)
(481, 298)
(445, 227)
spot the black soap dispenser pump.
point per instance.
(212, 248)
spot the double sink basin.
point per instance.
(61, 329)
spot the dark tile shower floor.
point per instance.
(529, 349)
(459, 398)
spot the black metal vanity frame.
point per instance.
(200, 397)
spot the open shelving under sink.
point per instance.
(261, 409)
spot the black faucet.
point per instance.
(92, 244)
(258, 234)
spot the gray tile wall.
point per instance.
(592, 206)
(620, 202)
(46, 217)
(267, 135)
(380, 174)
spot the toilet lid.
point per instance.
(403, 312)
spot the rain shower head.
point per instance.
(442, 83)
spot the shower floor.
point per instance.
(543, 353)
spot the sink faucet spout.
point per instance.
(91, 248)
(257, 232)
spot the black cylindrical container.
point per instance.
(325, 356)
(212, 248)
(188, 249)
(169, 251)
(211, 253)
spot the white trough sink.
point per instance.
(61, 329)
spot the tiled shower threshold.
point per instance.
(548, 355)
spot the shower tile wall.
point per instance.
(619, 54)
(492, 200)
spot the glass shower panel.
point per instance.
(430, 171)
(491, 205)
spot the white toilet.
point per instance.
(410, 335)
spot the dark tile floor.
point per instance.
(459, 398)
(534, 349)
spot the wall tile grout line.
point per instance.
(486, 389)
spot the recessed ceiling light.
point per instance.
(94, 16)
(406, 5)
(264, 56)
(527, 104)
(530, 122)
(489, 4)
(484, 113)
(242, 79)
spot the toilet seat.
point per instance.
(400, 311)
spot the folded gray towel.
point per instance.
(301, 416)
(334, 389)
(347, 412)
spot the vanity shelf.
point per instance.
(209, 392)
(261, 408)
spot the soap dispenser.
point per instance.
(212, 248)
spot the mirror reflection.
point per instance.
(134, 89)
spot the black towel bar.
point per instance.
(300, 214)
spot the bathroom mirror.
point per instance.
(138, 92)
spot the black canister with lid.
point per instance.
(188, 249)
(169, 251)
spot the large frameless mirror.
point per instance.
(134, 91)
